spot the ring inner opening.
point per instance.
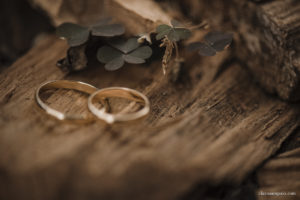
(118, 102)
(68, 101)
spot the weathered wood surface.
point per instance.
(139, 16)
(205, 129)
(268, 42)
(213, 127)
(269, 33)
(281, 174)
(79, 11)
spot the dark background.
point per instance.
(20, 25)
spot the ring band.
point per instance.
(122, 93)
(65, 84)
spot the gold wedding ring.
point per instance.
(120, 92)
(65, 84)
(94, 93)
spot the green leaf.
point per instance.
(162, 28)
(162, 31)
(206, 50)
(106, 54)
(125, 46)
(143, 52)
(194, 46)
(173, 33)
(75, 34)
(218, 40)
(178, 34)
(183, 33)
(109, 30)
(133, 60)
(173, 36)
(115, 64)
(67, 29)
(161, 35)
(202, 48)
(122, 51)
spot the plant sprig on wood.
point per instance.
(213, 42)
(120, 51)
(77, 35)
(114, 50)
(170, 36)
(174, 33)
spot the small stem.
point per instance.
(203, 25)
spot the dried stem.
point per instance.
(168, 53)
(203, 25)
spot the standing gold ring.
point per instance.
(120, 92)
(65, 84)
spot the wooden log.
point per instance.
(268, 42)
(139, 16)
(79, 11)
(279, 177)
(212, 129)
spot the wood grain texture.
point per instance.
(79, 11)
(268, 42)
(281, 174)
(211, 128)
(139, 16)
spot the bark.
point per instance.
(281, 174)
(213, 128)
(268, 42)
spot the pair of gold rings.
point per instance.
(95, 94)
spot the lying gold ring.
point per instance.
(122, 93)
(65, 84)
